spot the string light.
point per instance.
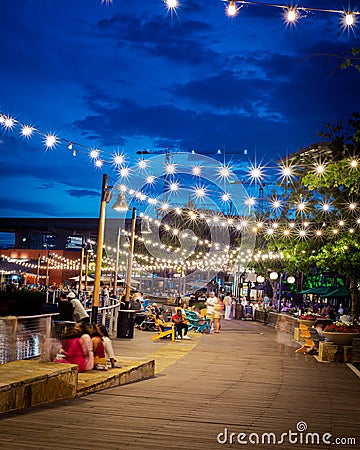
(50, 141)
(27, 131)
(292, 14)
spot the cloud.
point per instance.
(79, 193)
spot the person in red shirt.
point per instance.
(180, 324)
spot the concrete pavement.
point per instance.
(237, 386)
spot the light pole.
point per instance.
(273, 277)
(117, 261)
(105, 198)
(130, 259)
(38, 270)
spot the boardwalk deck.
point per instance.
(237, 380)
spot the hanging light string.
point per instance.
(291, 14)
(255, 173)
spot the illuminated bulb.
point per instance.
(276, 204)
(150, 179)
(291, 225)
(244, 223)
(196, 171)
(302, 233)
(351, 230)
(27, 131)
(125, 172)
(301, 206)
(231, 9)
(174, 187)
(165, 206)
(286, 172)
(50, 141)
(142, 164)
(325, 207)
(170, 168)
(291, 15)
(171, 4)
(99, 163)
(250, 201)
(178, 211)
(255, 173)
(224, 172)
(335, 231)
(200, 192)
(341, 223)
(275, 225)
(286, 232)
(354, 163)
(74, 152)
(318, 232)
(358, 221)
(225, 197)
(320, 169)
(352, 206)
(118, 160)
(9, 122)
(270, 231)
(349, 19)
(94, 153)
(70, 146)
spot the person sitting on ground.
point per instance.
(99, 350)
(72, 350)
(79, 315)
(180, 324)
(65, 309)
(109, 351)
(86, 331)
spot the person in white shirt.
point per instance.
(210, 309)
(228, 304)
(79, 314)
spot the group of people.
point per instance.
(87, 345)
(71, 309)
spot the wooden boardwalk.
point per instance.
(237, 380)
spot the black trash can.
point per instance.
(125, 323)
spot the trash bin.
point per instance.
(125, 323)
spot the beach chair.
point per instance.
(165, 329)
(194, 323)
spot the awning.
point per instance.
(342, 291)
(321, 290)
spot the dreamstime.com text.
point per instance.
(301, 436)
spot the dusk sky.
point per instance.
(127, 76)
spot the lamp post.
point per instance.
(117, 261)
(38, 270)
(47, 279)
(273, 277)
(105, 198)
(81, 265)
(130, 259)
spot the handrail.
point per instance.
(25, 337)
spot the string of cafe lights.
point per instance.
(290, 14)
(256, 173)
(54, 261)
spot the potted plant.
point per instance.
(341, 333)
(308, 319)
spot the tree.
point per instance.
(319, 224)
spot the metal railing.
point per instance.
(25, 337)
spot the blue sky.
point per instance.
(128, 76)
